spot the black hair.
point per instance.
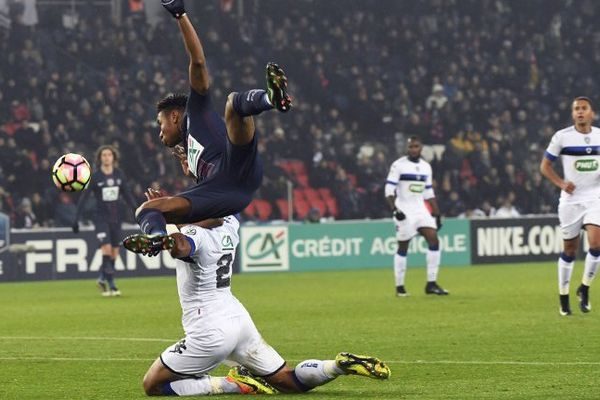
(174, 101)
(584, 98)
(414, 138)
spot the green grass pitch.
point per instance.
(497, 336)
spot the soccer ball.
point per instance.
(71, 173)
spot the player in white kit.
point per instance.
(218, 329)
(578, 147)
(408, 186)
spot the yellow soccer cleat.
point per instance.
(248, 383)
(370, 367)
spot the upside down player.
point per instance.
(108, 185)
(578, 146)
(408, 186)
(221, 154)
(218, 328)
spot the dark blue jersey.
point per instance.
(227, 175)
(205, 136)
(108, 190)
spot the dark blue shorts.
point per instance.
(239, 169)
(109, 233)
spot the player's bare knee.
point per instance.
(570, 249)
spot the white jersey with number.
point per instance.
(410, 182)
(204, 278)
(580, 156)
(218, 328)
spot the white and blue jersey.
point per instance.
(410, 182)
(580, 156)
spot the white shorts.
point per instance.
(226, 335)
(416, 217)
(573, 217)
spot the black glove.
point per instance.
(75, 227)
(175, 7)
(399, 215)
(438, 221)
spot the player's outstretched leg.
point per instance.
(151, 245)
(255, 101)
(277, 88)
(248, 383)
(354, 364)
(583, 292)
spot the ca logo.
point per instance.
(265, 248)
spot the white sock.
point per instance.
(312, 373)
(204, 386)
(433, 264)
(565, 269)
(399, 269)
(591, 267)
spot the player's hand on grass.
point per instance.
(399, 215)
(75, 227)
(175, 7)
(568, 187)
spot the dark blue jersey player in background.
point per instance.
(221, 154)
(108, 185)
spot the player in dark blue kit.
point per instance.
(108, 185)
(221, 154)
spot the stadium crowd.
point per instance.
(490, 80)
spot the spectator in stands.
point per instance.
(506, 208)
(25, 218)
(86, 82)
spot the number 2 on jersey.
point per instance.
(224, 271)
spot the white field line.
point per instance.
(92, 338)
(125, 339)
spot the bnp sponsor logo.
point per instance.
(265, 248)
(586, 165)
(416, 187)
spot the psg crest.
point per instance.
(4, 232)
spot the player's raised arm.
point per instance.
(198, 72)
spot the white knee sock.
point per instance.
(204, 386)
(312, 373)
(399, 268)
(433, 264)
(591, 267)
(565, 269)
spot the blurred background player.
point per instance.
(219, 328)
(108, 185)
(578, 147)
(408, 186)
(222, 154)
